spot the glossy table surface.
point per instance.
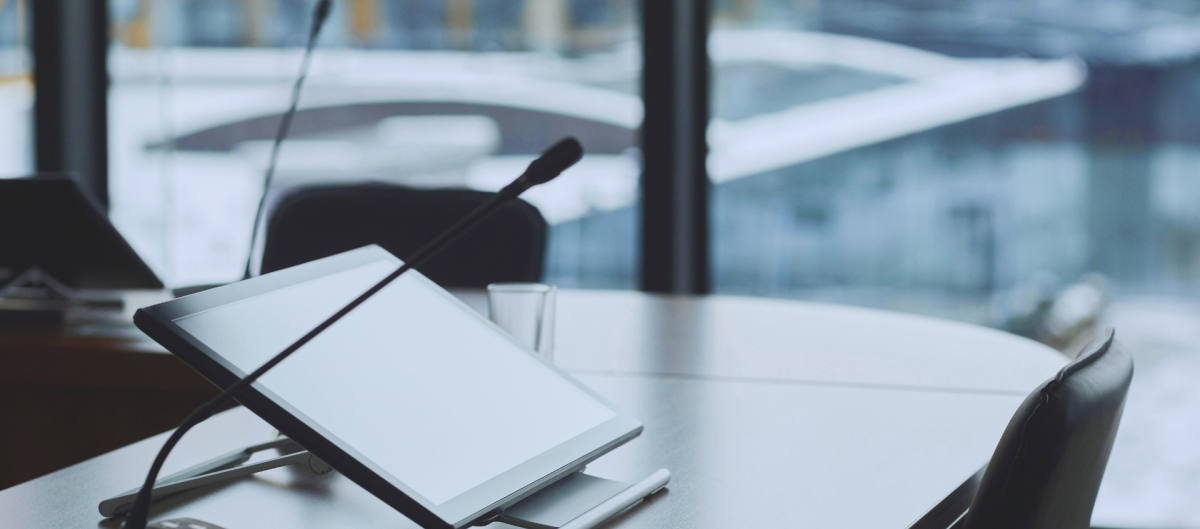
(768, 414)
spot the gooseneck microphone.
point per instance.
(320, 14)
(550, 164)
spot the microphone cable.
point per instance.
(320, 14)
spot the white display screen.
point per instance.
(429, 393)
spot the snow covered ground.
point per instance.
(1153, 477)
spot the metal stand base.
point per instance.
(227, 467)
(36, 297)
(580, 501)
(577, 501)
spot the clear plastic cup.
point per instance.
(525, 311)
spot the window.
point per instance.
(16, 90)
(885, 174)
(415, 92)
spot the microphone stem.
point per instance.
(285, 125)
(141, 506)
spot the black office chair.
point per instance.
(320, 221)
(1046, 471)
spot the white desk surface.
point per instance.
(760, 339)
(768, 413)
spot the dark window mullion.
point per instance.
(70, 43)
(675, 184)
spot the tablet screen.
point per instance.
(406, 359)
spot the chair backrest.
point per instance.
(1046, 470)
(320, 221)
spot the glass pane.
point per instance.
(1026, 165)
(425, 93)
(16, 90)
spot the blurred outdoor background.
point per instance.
(1030, 165)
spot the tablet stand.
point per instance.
(224, 468)
(577, 501)
(580, 501)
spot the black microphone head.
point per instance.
(322, 10)
(554, 161)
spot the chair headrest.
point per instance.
(1093, 351)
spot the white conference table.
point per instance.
(768, 413)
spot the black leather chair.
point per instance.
(1046, 471)
(320, 221)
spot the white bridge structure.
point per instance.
(190, 128)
